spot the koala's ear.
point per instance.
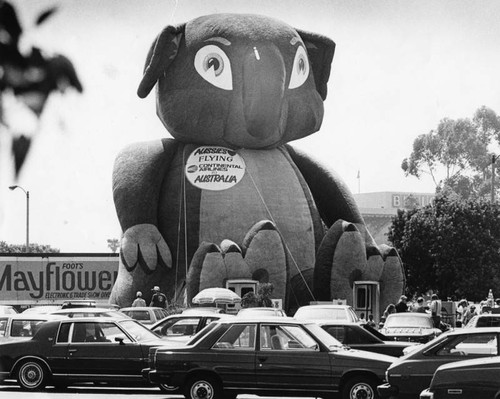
(161, 54)
(320, 50)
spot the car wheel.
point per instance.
(203, 387)
(168, 388)
(360, 388)
(32, 375)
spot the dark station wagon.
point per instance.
(274, 356)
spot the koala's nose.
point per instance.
(263, 89)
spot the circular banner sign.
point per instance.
(214, 168)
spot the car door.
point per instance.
(290, 359)
(232, 356)
(94, 350)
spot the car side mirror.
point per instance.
(119, 340)
(294, 345)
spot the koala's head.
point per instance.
(240, 81)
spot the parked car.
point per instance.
(261, 312)
(20, 326)
(412, 373)
(484, 320)
(467, 379)
(410, 326)
(67, 350)
(274, 356)
(326, 312)
(145, 315)
(90, 312)
(78, 303)
(7, 309)
(363, 337)
(179, 328)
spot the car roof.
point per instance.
(204, 309)
(78, 310)
(140, 308)
(263, 319)
(473, 330)
(416, 314)
(337, 322)
(326, 305)
(492, 361)
(30, 316)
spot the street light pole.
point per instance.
(27, 215)
(493, 159)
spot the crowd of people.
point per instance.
(465, 311)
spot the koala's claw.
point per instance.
(144, 244)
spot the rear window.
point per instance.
(488, 322)
(140, 315)
(24, 328)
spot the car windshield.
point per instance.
(324, 337)
(202, 333)
(138, 331)
(321, 313)
(408, 321)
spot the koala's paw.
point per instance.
(143, 244)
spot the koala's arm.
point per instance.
(332, 197)
(138, 174)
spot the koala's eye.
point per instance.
(300, 70)
(214, 66)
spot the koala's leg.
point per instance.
(128, 282)
(266, 256)
(392, 281)
(212, 265)
(345, 256)
(262, 258)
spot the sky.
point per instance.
(400, 67)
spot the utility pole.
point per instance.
(493, 160)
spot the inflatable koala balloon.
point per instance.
(227, 197)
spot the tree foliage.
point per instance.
(33, 248)
(456, 154)
(452, 247)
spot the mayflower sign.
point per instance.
(40, 278)
(214, 168)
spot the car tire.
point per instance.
(203, 387)
(169, 389)
(32, 375)
(360, 387)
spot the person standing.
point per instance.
(402, 305)
(469, 314)
(390, 309)
(371, 322)
(436, 310)
(158, 299)
(138, 301)
(420, 307)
